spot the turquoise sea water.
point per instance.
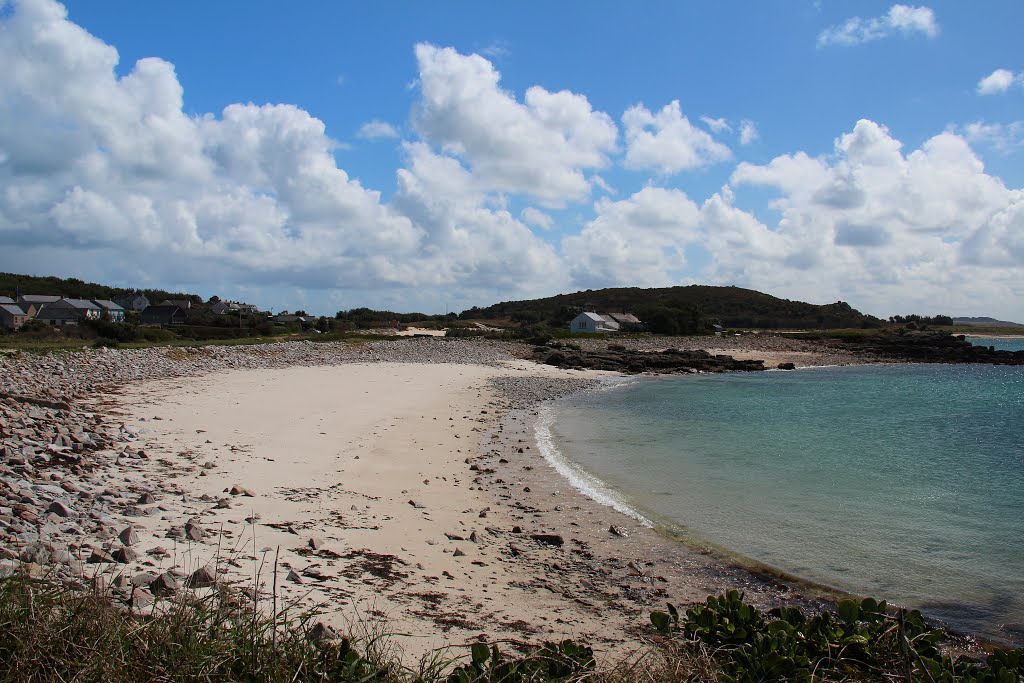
(903, 482)
(999, 343)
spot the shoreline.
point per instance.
(595, 585)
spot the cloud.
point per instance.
(716, 125)
(1004, 137)
(109, 170)
(667, 142)
(537, 218)
(900, 19)
(999, 81)
(538, 147)
(376, 129)
(638, 241)
(748, 132)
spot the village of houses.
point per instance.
(58, 311)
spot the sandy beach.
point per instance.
(399, 498)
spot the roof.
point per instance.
(39, 298)
(593, 316)
(81, 303)
(627, 318)
(13, 309)
(6, 300)
(110, 305)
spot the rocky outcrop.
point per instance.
(621, 359)
(928, 347)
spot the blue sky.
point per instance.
(432, 155)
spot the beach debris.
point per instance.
(315, 542)
(616, 531)
(418, 506)
(238, 490)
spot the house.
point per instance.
(109, 310)
(162, 315)
(68, 311)
(285, 318)
(132, 302)
(12, 316)
(626, 321)
(37, 299)
(222, 307)
(592, 322)
(7, 300)
(183, 304)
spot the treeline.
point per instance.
(368, 317)
(73, 288)
(921, 319)
(689, 309)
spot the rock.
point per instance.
(321, 632)
(294, 577)
(194, 532)
(143, 579)
(204, 577)
(125, 555)
(474, 538)
(616, 531)
(146, 499)
(315, 543)
(237, 490)
(100, 556)
(787, 366)
(164, 584)
(418, 506)
(458, 553)
(128, 536)
(548, 539)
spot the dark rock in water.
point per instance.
(919, 346)
(787, 366)
(621, 359)
(548, 539)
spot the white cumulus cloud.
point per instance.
(538, 147)
(376, 129)
(900, 19)
(999, 81)
(667, 142)
(748, 132)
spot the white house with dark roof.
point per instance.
(109, 310)
(591, 322)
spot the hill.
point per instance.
(72, 288)
(986, 322)
(682, 309)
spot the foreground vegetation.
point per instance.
(52, 633)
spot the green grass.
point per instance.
(50, 632)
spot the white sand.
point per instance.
(338, 453)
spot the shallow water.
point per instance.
(999, 343)
(900, 481)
